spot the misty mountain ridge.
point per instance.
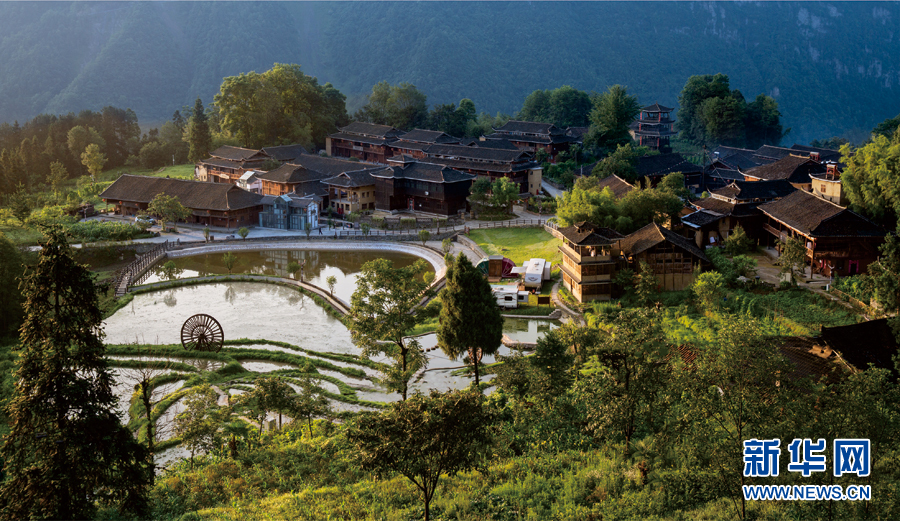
(834, 68)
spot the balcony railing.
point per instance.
(583, 259)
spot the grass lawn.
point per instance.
(175, 172)
(519, 244)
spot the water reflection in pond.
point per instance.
(317, 267)
(527, 331)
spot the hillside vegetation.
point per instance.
(832, 68)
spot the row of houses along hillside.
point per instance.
(293, 195)
(508, 152)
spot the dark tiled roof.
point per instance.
(776, 153)
(871, 342)
(541, 139)
(428, 136)
(222, 163)
(714, 205)
(644, 128)
(817, 217)
(587, 234)
(354, 179)
(371, 130)
(530, 127)
(737, 158)
(496, 143)
(401, 144)
(663, 164)
(725, 173)
(429, 172)
(756, 190)
(328, 165)
(584, 170)
(793, 169)
(195, 195)
(285, 152)
(700, 218)
(291, 173)
(238, 153)
(359, 138)
(653, 234)
(824, 153)
(577, 132)
(477, 153)
(812, 360)
(656, 107)
(616, 184)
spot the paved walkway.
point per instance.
(550, 189)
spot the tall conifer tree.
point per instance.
(470, 321)
(198, 136)
(66, 449)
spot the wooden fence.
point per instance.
(126, 276)
(856, 302)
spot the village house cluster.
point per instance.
(772, 193)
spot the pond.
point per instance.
(317, 266)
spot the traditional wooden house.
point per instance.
(618, 186)
(212, 204)
(837, 240)
(516, 165)
(290, 177)
(533, 136)
(732, 206)
(654, 168)
(364, 141)
(352, 191)
(414, 142)
(653, 128)
(284, 153)
(588, 262)
(672, 258)
(227, 164)
(290, 211)
(791, 168)
(408, 184)
(828, 185)
(866, 343)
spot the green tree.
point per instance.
(646, 285)
(198, 424)
(168, 208)
(503, 193)
(657, 205)
(402, 106)
(470, 320)
(612, 113)
(447, 118)
(153, 155)
(738, 242)
(66, 449)
(20, 204)
(707, 289)
(621, 162)
(425, 437)
(625, 378)
(197, 134)
(885, 274)
(886, 128)
(563, 107)
(424, 235)
(331, 281)
(273, 395)
(871, 179)
(723, 121)
(11, 269)
(280, 106)
(731, 395)
(93, 160)
(763, 123)
(58, 174)
(793, 256)
(696, 91)
(229, 260)
(79, 137)
(383, 310)
(307, 403)
(243, 232)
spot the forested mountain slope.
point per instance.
(833, 67)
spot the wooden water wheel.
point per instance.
(202, 333)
